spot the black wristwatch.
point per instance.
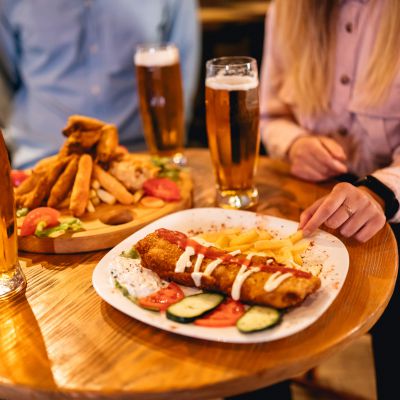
(384, 192)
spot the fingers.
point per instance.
(311, 159)
(327, 208)
(373, 226)
(308, 173)
(334, 148)
(351, 213)
(308, 212)
(325, 157)
(353, 224)
(346, 208)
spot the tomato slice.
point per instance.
(226, 314)
(46, 214)
(163, 298)
(163, 188)
(17, 177)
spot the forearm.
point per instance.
(278, 134)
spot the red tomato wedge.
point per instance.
(46, 214)
(224, 315)
(161, 300)
(163, 188)
(17, 177)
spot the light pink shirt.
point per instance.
(370, 136)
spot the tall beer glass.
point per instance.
(232, 113)
(12, 280)
(161, 99)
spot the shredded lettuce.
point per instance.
(71, 224)
(167, 168)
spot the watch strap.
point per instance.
(384, 192)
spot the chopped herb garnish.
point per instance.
(21, 212)
(131, 253)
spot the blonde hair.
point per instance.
(306, 34)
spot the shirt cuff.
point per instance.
(278, 135)
(391, 178)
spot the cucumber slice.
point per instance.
(258, 318)
(192, 307)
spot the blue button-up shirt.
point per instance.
(63, 57)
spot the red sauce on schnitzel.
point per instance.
(183, 241)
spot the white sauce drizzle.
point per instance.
(196, 276)
(275, 280)
(241, 276)
(184, 259)
(202, 242)
(198, 262)
(250, 256)
(244, 272)
(211, 266)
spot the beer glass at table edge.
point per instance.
(12, 279)
(232, 116)
(160, 90)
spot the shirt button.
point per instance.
(95, 90)
(349, 27)
(343, 131)
(344, 80)
(94, 48)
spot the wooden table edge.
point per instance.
(234, 385)
(207, 391)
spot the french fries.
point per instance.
(108, 143)
(113, 186)
(287, 250)
(106, 197)
(80, 177)
(81, 123)
(81, 188)
(64, 183)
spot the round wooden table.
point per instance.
(63, 341)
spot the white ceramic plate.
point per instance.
(333, 275)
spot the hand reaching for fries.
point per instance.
(355, 211)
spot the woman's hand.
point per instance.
(355, 211)
(316, 158)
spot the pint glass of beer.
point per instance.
(12, 280)
(161, 99)
(232, 114)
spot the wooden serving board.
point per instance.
(97, 235)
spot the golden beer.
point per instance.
(11, 278)
(232, 113)
(161, 99)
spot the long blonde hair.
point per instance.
(306, 33)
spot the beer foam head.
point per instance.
(232, 82)
(157, 57)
